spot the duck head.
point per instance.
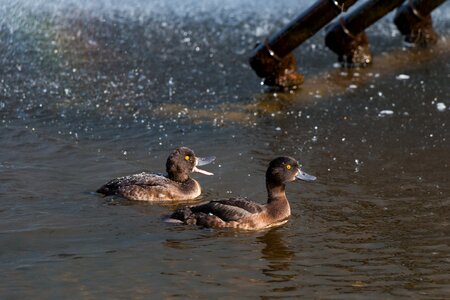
(183, 161)
(285, 169)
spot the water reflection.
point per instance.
(279, 257)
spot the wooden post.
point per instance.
(346, 37)
(413, 20)
(273, 60)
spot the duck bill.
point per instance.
(201, 161)
(304, 176)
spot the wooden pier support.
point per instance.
(346, 37)
(413, 20)
(273, 61)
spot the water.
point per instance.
(93, 91)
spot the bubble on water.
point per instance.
(385, 112)
(440, 106)
(402, 77)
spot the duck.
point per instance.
(175, 185)
(242, 213)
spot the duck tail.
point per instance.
(182, 215)
(108, 189)
(104, 190)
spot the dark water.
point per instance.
(92, 91)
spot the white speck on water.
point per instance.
(314, 139)
(357, 162)
(380, 94)
(261, 31)
(441, 106)
(352, 86)
(278, 129)
(385, 112)
(402, 77)
(124, 152)
(343, 139)
(170, 85)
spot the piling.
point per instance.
(273, 61)
(346, 36)
(413, 20)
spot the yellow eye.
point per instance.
(187, 157)
(288, 167)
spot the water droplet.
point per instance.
(441, 106)
(402, 77)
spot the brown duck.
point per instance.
(243, 213)
(175, 185)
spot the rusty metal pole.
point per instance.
(273, 60)
(413, 20)
(346, 36)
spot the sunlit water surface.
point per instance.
(93, 91)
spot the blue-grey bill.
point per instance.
(304, 176)
(201, 161)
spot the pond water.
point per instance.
(89, 92)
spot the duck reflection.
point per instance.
(278, 255)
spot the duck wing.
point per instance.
(229, 209)
(142, 179)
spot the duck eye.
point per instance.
(187, 157)
(288, 167)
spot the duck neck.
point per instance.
(179, 177)
(277, 204)
(276, 192)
